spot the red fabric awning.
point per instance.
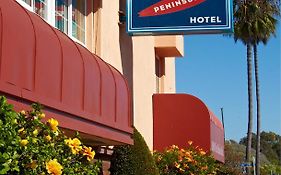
(40, 63)
(179, 118)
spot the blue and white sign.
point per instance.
(246, 164)
(154, 17)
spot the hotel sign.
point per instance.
(154, 17)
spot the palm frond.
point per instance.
(255, 20)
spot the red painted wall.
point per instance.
(179, 118)
(40, 63)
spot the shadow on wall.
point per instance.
(126, 49)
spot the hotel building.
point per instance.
(75, 57)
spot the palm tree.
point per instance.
(265, 26)
(243, 31)
(254, 23)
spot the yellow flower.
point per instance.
(74, 144)
(23, 112)
(189, 159)
(35, 132)
(181, 170)
(23, 142)
(177, 165)
(87, 151)
(54, 167)
(42, 115)
(48, 138)
(53, 123)
(202, 152)
(174, 147)
(20, 130)
(188, 154)
(190, 142)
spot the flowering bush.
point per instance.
(28, 146)
(189, 161)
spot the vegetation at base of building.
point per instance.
(188, 161)
(29, 146)
(137, 160)
(133, 159)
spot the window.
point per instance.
(61, 15)
(78, 19)
(37, 6)
(29, 2)
(41, 8)
(69, 16)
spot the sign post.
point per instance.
(254, 165)
(156, 17)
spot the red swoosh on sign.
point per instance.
(168, 6)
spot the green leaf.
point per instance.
(5, 169)
(5, 156)
(16, 168)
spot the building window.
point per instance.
(41, 8)
(69, 16)
(61, 15)
(78, 19)
(29, 2)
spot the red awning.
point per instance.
(178, 118)
(40, 63)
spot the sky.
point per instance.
(214, 69)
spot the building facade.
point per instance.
(146, 62)
(75, 57)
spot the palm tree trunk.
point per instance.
(250, 106)
(258, 110)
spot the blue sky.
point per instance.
(214, 69)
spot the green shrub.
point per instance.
(133, 159)
(28, 146)
(188, 161)
(270, 169)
